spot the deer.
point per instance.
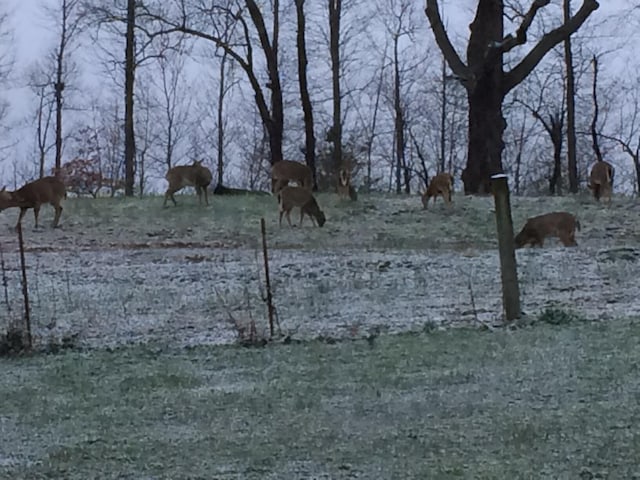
(345, 189)
(194, 175)
(290, 196)
(555, 224)
(34, 194)
(284, 171)
(601, 180)
(441, 184)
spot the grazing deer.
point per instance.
(290, 196)
(556, 224)
(194, 175)
(601, 180)
(345, 189)
(284, 171)
(441, 184)
(33, 195)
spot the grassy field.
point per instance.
(559, 399)
(543, 401)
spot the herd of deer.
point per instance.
(556, 224)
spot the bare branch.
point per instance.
(457, 66)
(520, 38)
(546, 43)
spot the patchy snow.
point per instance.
(163, 281)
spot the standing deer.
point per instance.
(345, 189)
(194, 175)
(284, 171)
(601, 180)
(33, 195)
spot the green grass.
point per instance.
(547, 401)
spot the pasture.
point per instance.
(155, 389)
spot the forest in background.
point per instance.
(403, 113)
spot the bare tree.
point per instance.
(305, 97)
(485, 80)
(335, 133)
(6, 61)
(572, 161)
(70, 26)
(40, 82)
(207, 23)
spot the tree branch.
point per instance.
(546, 43)
(520, 38)
(458, 67)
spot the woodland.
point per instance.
(394, 90)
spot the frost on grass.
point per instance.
(127, 270)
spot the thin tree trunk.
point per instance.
(443, 116)
(221, 95)
(571, 107)
(399, 120)
(59, 85)
(335, 7)
(129, 135)
(305, 98)
(594, 122)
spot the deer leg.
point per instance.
(301, 216)
(36, 212)
(56, 219)
(289, 218)
(23, 210)
(206, 196)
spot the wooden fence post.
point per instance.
(506, 245)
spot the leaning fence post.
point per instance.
(269, 299)
(506, 246)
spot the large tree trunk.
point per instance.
(486, 122)
(129, 136)
(310, 139)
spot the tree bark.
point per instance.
(399, 124)
(594, 121)
(129, 135)
(335, 7)
(305, 98)
(572, 162)
(275, 121)
(221, 95)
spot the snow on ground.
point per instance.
(133, 272)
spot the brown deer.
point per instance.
(345, 189)
(33, 195)
(601, 180)
(284, 171)
(556, 224)
(194, 175)
(441, 184)
(290, 196)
